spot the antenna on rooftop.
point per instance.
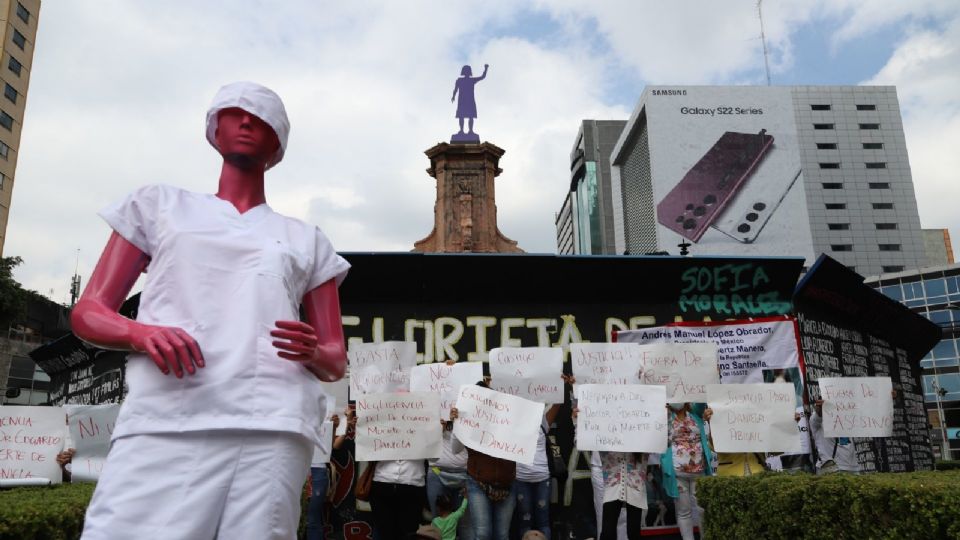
(763, 39)
(75, 282)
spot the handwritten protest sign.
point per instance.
(857, 406)
(622, 418)
(339, 391)
(91, 427)
(605, 363)
(753, 417)
(402, 425)
(532, 373)
(445, 380)
(497, 424)
(30, 439)
(381, 367)
(685, 369)
(322, 451)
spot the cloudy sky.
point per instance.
(119, 90)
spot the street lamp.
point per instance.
(939, 392)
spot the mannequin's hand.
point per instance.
(297, 341)
(170, 348)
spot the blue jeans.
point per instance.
(319, 480)
(533, 506)
(450, 483)
(491, 520)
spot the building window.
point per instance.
(866, 107)
(836, 206)
(3, 179)
(841, 247)
(819, 107)
(838, 226)
(879, 185)
(826, 146)
(10, 92)
(23, 13)
(19, 39)
(876, 164)
(6, 120)
(883, 206)
(14, 65)
(4, 150)
(823, 126)
(889, 247)
(833, 185)
(892, 268)
(886, 226)
(873, 146)
(869, 126)
(829, 165)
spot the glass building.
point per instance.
(934, 292)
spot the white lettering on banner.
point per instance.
(685, 369)
(498, 424)
(381, 367)
(857, 406)
(321, 452)
(445, 380)
(91, 427)
(622, 418)
(30, 439)
(400, 425)
(753, 417)
(605, 363)
(547, 390)
(744, 349)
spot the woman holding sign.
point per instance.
(688, 457)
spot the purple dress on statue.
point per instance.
(466, 104)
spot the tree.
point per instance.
(13, 298)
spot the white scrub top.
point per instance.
(224, 278)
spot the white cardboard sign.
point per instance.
(547, 390)
(685, 369)
(857, 406)
(622, 418)
(400, 425)
(91, 427)
(445, 380)
(321, 452)
(381, 367)
(605, 363)
(532, 373)
(30, 439)
(498, 424)
(753, 417)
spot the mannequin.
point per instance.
(216, 434)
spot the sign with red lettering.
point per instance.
(857, 406)
(622, 418)
(498, 424)
(605, 363)
(401, 425)
(91, 427)
(381, 367)
(684, 369)
(445, 380)
(30, 439)
(753, 417)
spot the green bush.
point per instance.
(887, 505)
(54, 512)
(948, 465)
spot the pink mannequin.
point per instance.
(246, 144)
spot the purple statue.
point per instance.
(467, 105)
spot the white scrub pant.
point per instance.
(200, 486)
(596, 478)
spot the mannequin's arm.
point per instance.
(319, 345)
(95, 318)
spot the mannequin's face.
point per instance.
(244, 137)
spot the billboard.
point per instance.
(726, 171)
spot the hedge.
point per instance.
(47, 513)
(56, 512)
(948, 465)
(784, 505)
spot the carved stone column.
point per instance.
(465, 213)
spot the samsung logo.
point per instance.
(669, 92)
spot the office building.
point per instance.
(767, 171)
(934, 292)
(16, 61)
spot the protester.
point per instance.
(65, 461)
(320, 480)
(533, 483)
(396, 497)
(834, 454)
(446, 517)
(687, 458)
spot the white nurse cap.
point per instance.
(257, 100)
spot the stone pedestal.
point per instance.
(465, 214)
